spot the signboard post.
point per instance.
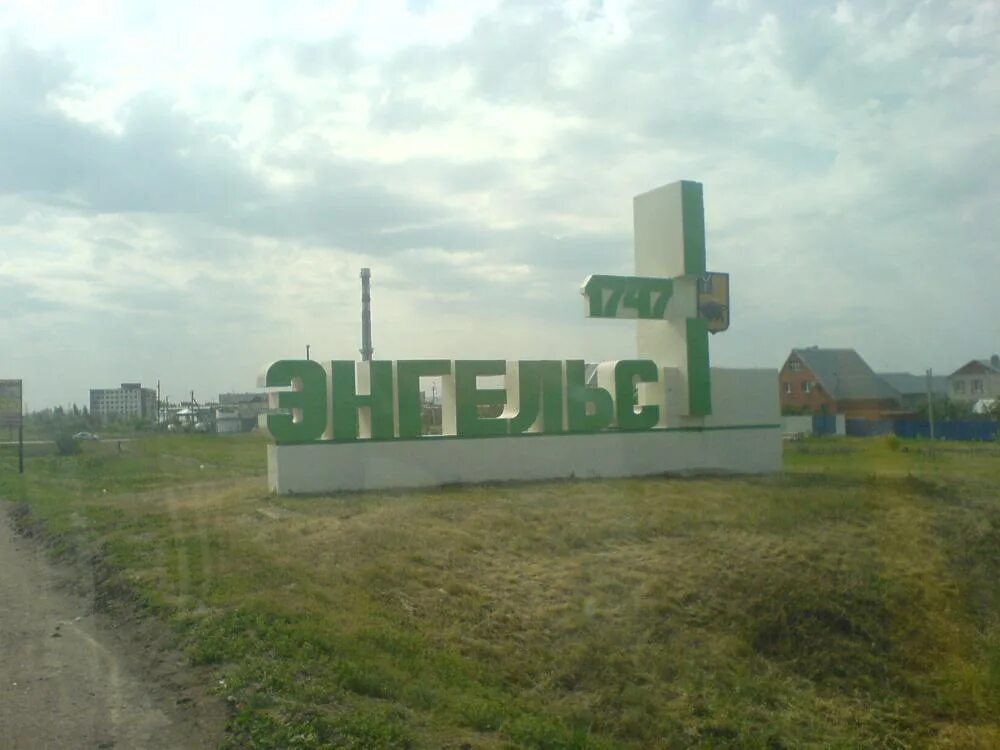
(10, 414)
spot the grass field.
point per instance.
(852, 602)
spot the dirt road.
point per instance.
(69, 678)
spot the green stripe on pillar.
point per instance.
(699, 372)
(693, 215)
(699, 369)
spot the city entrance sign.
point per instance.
(11, 411)
(346, 425)
(10, 403)
(347, 401)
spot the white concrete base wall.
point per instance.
(318, 468)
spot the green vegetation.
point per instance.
(852, 602)
(49, 424)
(66, 445)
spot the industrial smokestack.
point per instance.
(366, 315)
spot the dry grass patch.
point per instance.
(851, 603)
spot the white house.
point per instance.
(976, 380)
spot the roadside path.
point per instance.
(70, 680)
(14, 443)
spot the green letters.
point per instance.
(306, 400)
(627, 371)
(377, 421)
(627, 297)
(408, 374)
(540, 393)
(348, 400)
(587, 409)
(469, 398)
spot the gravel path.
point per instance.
(71, 679)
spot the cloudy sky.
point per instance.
(188, 190)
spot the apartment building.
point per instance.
(131, 401)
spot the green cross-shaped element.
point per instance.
(676, 302)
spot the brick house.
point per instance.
(834, 381)
(976, 380)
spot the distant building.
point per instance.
(835, 381)
(976, 380)
(131, 401)
(199, 417)
(912, 389)
(247, 406)
(227, 421)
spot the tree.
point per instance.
(945, 408)
(795, 411)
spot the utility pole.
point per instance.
(20, 430)
(307, 351)
(930, 405)
(366, 316)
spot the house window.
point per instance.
(977, 386)
(807, 386)
(794, 365)
(959, 386)
(788, 387)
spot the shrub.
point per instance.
(67, 445)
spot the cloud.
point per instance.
(19, 300)
(161, 162)
(165, 162)
(484, 166)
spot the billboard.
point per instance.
(10, 403)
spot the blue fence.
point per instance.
(870, 427)
(967, 429)
(824, 424)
